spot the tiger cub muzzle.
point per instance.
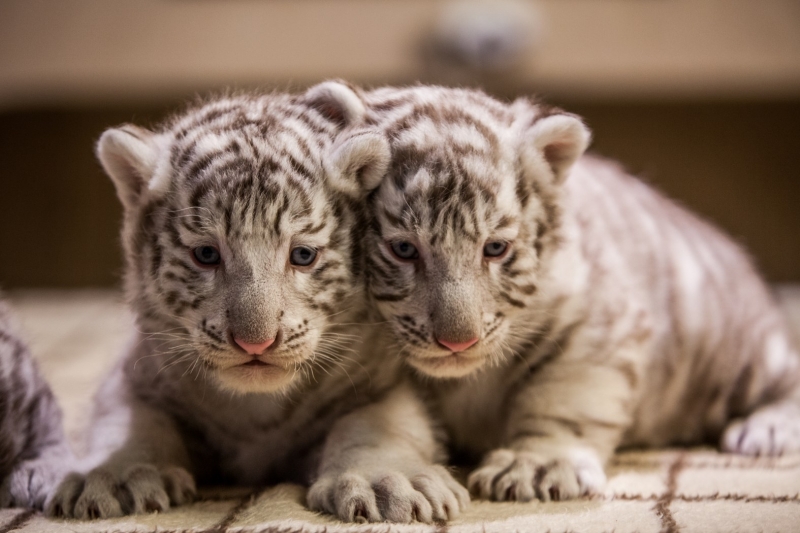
(458, 337)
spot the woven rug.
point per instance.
(77, 335)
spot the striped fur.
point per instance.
(33, 450)
(615, 317)
(199, 395)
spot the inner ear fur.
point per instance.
(129, 155)
(558, 140)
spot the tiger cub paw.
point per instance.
(508, 475)
(771, 431)
(32, 481)
(428, 493)
(141, 488)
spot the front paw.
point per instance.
(429, 493)
(32, 481)
(772, 431)
(101, 493)
(508, 475)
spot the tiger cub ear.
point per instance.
(553, 143)
(337, 102)
(359, 157)
(129, 155)
(358, 162)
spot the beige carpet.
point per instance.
(77, 335)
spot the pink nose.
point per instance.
(457, 346)
(254, 349)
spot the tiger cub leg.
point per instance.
(32, 481)
(138, 463)
(773, 427)
(381, 463)
(562, 428)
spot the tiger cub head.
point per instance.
(241, 221)
(464, 220)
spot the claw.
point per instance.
(93, 511)
(360, 513)
(152, 506)
(427, 494)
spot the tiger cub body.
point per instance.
(252, 361)
(562, 307)
(33, 449)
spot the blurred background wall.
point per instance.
(699, 97)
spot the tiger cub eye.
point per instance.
(404, 250)
(207, 255)
(302, 256)
(495, 249)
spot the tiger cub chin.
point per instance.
(34, 453)
(251, 362)
(564, 307)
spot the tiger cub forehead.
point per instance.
(271, 141)
(246, 166)
(454, 163)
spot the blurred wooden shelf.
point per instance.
(111, 51)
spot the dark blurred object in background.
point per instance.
(700, 97)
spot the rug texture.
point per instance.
(77, 335)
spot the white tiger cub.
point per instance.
(34, 454)
(564, 308)
(242, 238)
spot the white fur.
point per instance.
(265, 416)
(616, 319)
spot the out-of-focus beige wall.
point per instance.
(92, 51)
(702, 97)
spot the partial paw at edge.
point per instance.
(32, 481)
(762, 435)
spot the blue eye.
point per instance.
(495, 249)
(206, 255)
(302, 256)
(404, 250)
